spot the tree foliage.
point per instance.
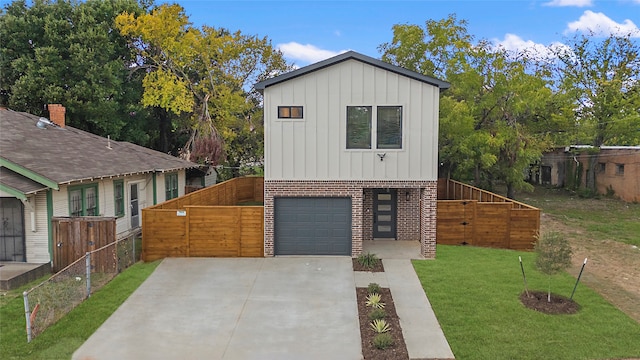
(554, 254)
(492, 115)
(207, 73)
(68, 52)
(601, 81)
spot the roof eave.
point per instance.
(442, 85)
(29, 174)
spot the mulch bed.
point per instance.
(537, 300)
(377, 268)
(395, 352)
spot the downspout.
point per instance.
(49, 217)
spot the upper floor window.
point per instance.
(389, 127)
(387, 123)
(619, 169)
(118, 197)
(289, 112)
(83, 200)
(171, 186)
(358, 127)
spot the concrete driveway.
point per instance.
(263, 308)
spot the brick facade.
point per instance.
(416, 217)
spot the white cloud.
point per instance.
(600, 24)
(517, 45)
(306, 53)
(576, 3)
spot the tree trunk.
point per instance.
(510, 190)
(164, 125)
(590, 179)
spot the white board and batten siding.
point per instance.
(314, 148)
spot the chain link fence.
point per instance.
(55, 297)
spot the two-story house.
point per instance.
(351, 154)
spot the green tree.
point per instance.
(554, 255)
(601, 80)
(207, 74)
(68, 52)
(492, 115)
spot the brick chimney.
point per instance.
(56, 114)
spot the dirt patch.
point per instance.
(395, 352)
(539, 301)
(613, 268)
(378, 267)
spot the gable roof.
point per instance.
(34, 157)
(351, 55)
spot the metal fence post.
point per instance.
(133, 245)
(88, 275)
(27, 314)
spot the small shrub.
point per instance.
(375, 301)
(377, 314)
(380, 326)
(368, 260)
(382, 341)
(373, 288)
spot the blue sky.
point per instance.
(310, 31)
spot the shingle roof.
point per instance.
(64, 155)
(18, 182)
(351, 55)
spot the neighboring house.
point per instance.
(351, 154)
(48, 169)
(617, 169)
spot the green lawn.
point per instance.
(594, 216)
(474, 293)
(63, 338)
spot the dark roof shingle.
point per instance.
(67, 154)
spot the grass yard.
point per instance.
(601, 218)
(474, 293)
(63, 338)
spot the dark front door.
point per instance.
(385, 205)
(11, 230)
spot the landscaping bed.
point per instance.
(370, 352)
(387, 342)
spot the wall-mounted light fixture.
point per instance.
(408, 195)
(381, 156)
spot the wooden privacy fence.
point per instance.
(469, 215)
(73, 237)
(207, 223)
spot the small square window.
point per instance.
(619, 169)
(602, 167)
(290, 112)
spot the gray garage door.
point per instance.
(312, 226)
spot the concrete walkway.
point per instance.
(422, 333)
